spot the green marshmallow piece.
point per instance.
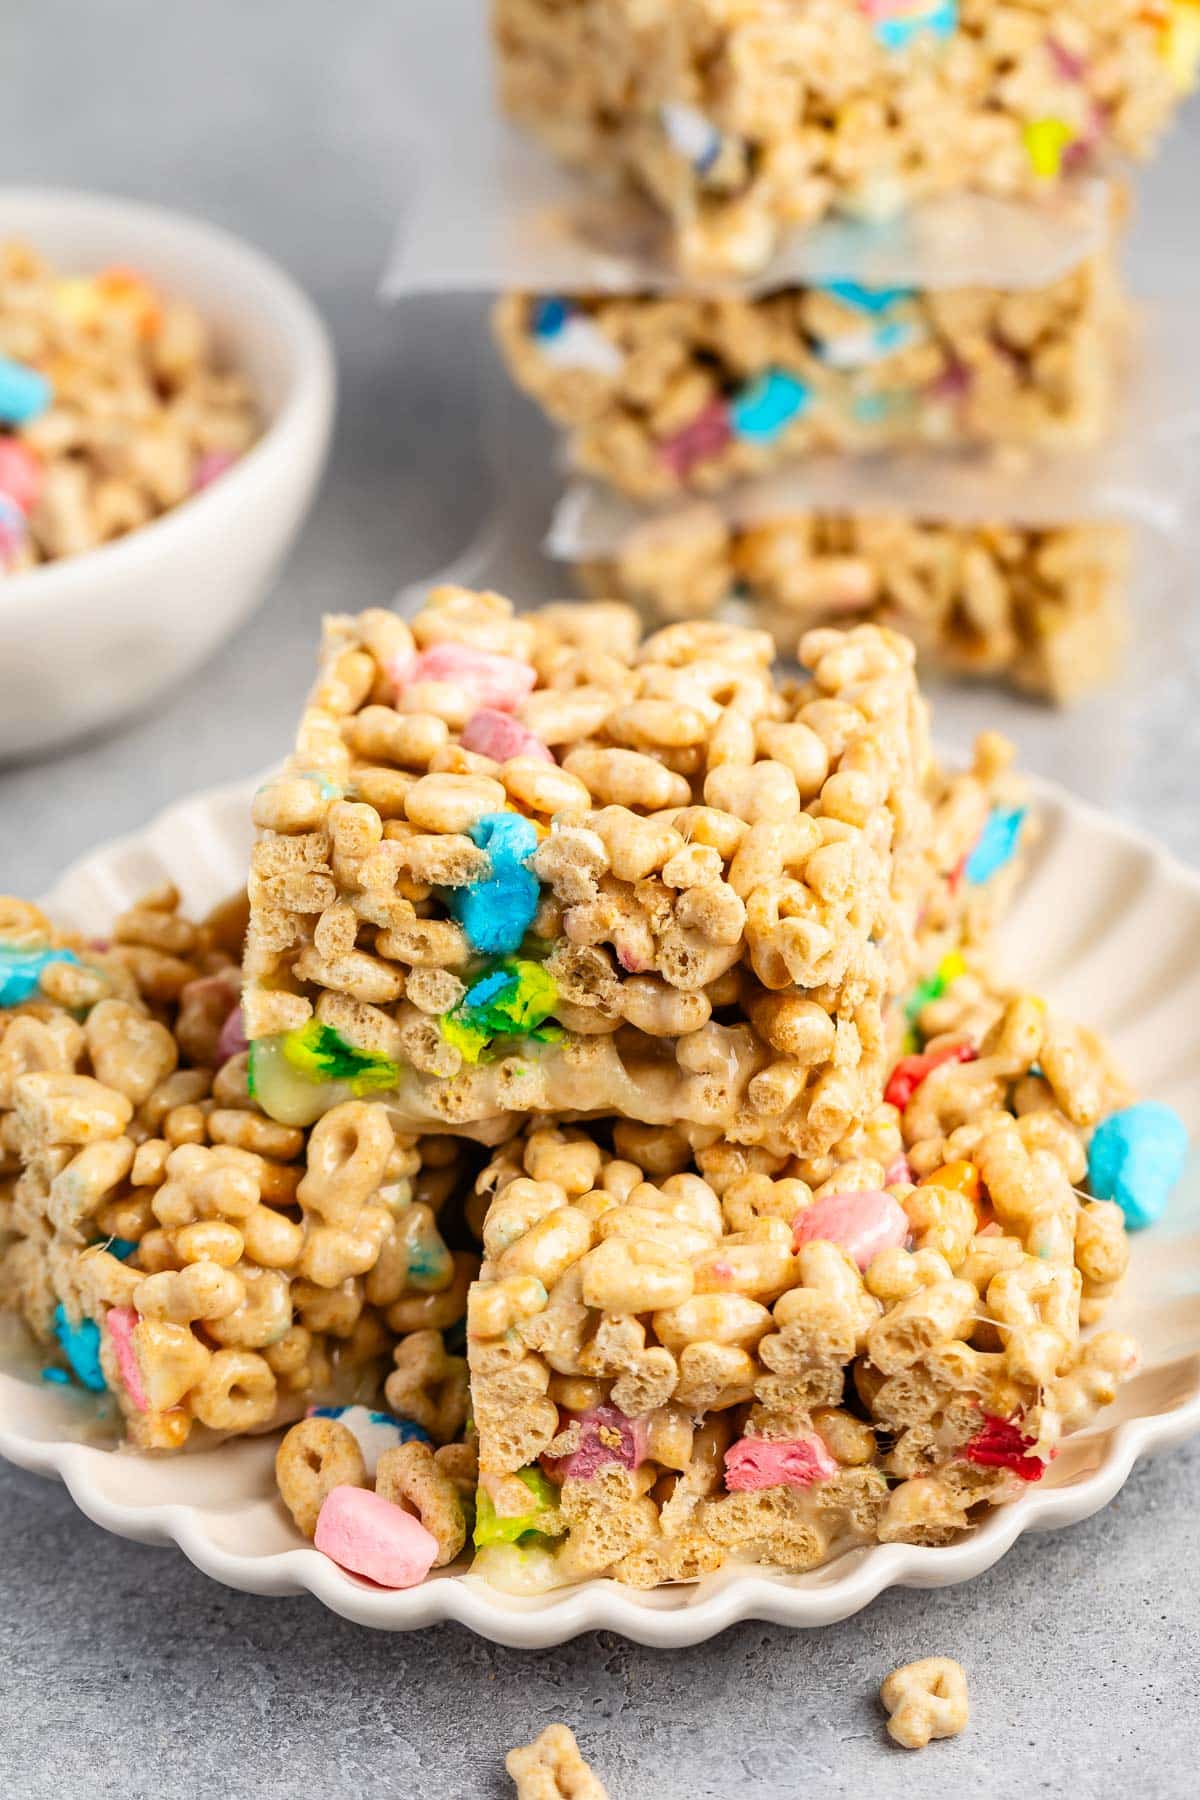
(319, 1053)
(490, 1528)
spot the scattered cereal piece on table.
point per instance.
(553, 1768)
(926, 1700)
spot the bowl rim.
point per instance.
(311, 384)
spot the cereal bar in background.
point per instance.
(114, 407)
(214, 1271)
(1045, 608)
(741, 123)
(663, 395)
(538, 864)
(685, 1353)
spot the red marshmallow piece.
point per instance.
(1001, 1445)
(911, 1071)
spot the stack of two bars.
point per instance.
(662, 978)
(741, 124)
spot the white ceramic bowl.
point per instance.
(91, 638)
(1107, 924)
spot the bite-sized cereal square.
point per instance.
(209, 1268)
(741, 123)
(539, 863)
(1046, 609)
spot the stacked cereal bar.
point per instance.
(538, 864)
(791, 1220)
(742, 121)
(665, 395)
(682, 1354)
(1045, 607)
(207, 1266)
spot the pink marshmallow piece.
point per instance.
(498, 735)
(232, 1040)
(121, 1322)
(899, 1173)
(863, 1224)
(20, 473)
(364, 1533)
(491, 680)
(210, 467)
(600, 1426)
(754, 1463)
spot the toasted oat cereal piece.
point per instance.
(1046, 609)
(696, 394)
(926, 1700)
(741, 123)
(118, 406)
(207, 1265)
(552, 1768)
(696, 908)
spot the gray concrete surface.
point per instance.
(125, 1672)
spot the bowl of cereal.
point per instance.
(166, 398)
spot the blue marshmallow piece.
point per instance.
(997, 844)
(24, 393)
(373, 1432)
(21, 971)
(763, 411)
(549, 317)
(497, 912)
(939, 21)
(81, 1347)
(871, 300)
(1135, 1158)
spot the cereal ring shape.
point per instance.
(373, 1432)
(316, 1456)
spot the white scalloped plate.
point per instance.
(1107, 923)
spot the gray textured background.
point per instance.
(125, 1671)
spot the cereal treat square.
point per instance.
(212, 1270)
(536, 864)
(740, 122)
(1045, 609)
(683, 1356)
(667, 395)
